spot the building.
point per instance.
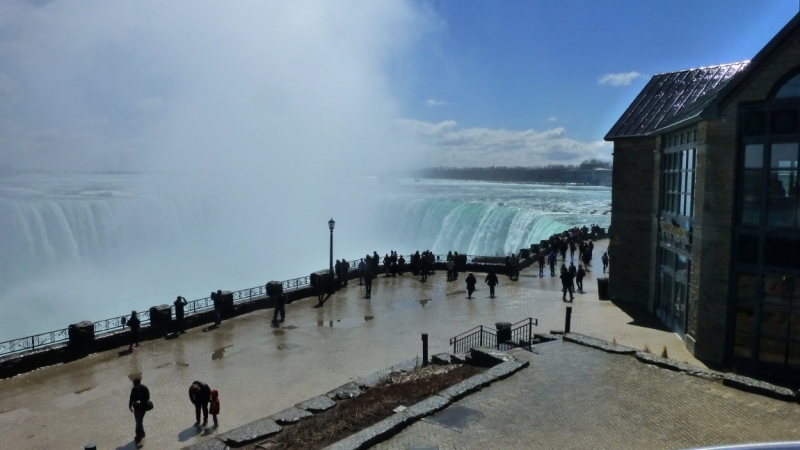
(705, 226)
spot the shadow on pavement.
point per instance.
(640, 315)
(129, 446)
(189, 433)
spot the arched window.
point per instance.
(790, 88)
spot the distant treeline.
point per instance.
(585, 173)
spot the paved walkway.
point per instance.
(575, 397)
(260, 370)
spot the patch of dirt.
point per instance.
(352, 415)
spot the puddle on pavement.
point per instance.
(348, 322)
(85, 389)
(163, 365)
(182, 364)
(287, 346)
(413, 304)
(219, 353)
(456, 417)
(13, 416)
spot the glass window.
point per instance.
(784, 122)
(784, 156)
(790, 89)
(778, 290)
(753, 156)
(743, 340)
(782, 253)
(748, 249)
(755, 123)
(772, 351)
(752, 193)
(794, 357)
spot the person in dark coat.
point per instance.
(471, 285)
(345, 272)
(551, 259)
(540, 260)
(280, 307)
(200, 395)
(368, 283)
(566, 284)
(134, 323)
(216, 298)
(137, 403)
(579, 278)
(572, 272)
(180, 302)
(337, 270)
(492, 281)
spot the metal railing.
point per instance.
(521, 335)
(114, 324)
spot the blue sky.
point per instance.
(91, 85)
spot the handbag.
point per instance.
(149, 406)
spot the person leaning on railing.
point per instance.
(180, 302)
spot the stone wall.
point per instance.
(633, 220)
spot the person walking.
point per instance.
(492, 281)
(566, 284)
(572, 272)
(604, 259)
(214, 409)
(134, 323)
(540, 260)
(345, 271)
(471, 285)
(280, 307)
(368, 283)
(200, 395)
(451, 267)
(551, 258)
(137, 403)
(180, 302)
(579, 278)
(362, 268)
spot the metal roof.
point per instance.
(673, 97)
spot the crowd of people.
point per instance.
(419, 264)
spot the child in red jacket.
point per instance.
(214, 410)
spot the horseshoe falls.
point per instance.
(90, 247)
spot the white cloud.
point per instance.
(430, 103)
(447, 144)
(618, 79)
(552, 119)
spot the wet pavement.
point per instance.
(576, 397)
(260, 370)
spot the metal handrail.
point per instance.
(114, 324)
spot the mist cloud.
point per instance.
(199, 86)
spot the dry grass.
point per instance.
(350, 416)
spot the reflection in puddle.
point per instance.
(219, 353)
(348, 322)
(84, 390)
(132, 376)
(287, 346)
(182, 364)
(163, 365)
(413, 304)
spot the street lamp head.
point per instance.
(331, 224)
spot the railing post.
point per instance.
(33, 342)
(424, 349)
(481, 338)
(568, 320)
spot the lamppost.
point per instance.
(331, 224)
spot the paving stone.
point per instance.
(599, 344)
(488, 357)
(371, 435)
(428, 406)
(208, 444)
(373, 379)
(348, 390)
(507, 368)
(759, 387)
(666, 363)
(471, 384)
(253, 431)
(290, 415)
(317, 404)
